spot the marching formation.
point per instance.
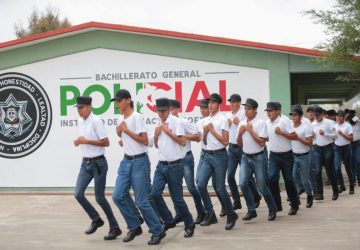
(298, 148)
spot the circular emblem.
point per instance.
(25, 115)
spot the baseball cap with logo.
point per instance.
(235, 98)
(251, 103)
(121, 94)
(215, 97)
(82, 101)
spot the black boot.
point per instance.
(222, 213)
(189, 231)
(237, 205)
(309, 201)
(272, 215)
(231, 220)
(178, 219)
(155, 240)
(132, 234)
(335, 196)
(319, 197)
(168, 226)
(113, 233)
(293, 210)
(94, 226)
(209, 219)
(250, 215)
(200, 218)
(352, 189)
(257, 202)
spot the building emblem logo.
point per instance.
(25, 115)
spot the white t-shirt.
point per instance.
(168, 149)
(356, 130)
(250, 146)
(346, 129)
(220, 123)
(200, 129)
(302, 131)
(306, 121)
(189, 129)
(233, 129)
(328, 127)
(92, 129)
(135, 123)
(278, 143)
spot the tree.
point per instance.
(42, 22)
(342, 25)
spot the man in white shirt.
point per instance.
(354, 121)
(191, 134)
(92, 142)
(280, 133)
(301, 147)
(252, 137)
(324, 133)
(170, 141)
(235, 153)
(343, 151)
(216, 138)
(134, 171)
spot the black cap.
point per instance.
(331, 112)
(215, 97)
(251, 103)
(235, 98)
(121, 94)
(82, 101)
(174, 103)
(317, 110)
(204, 103)
(162, 104)
(296, 110)
(278, 105)
(271, 106)
(352, 112)
(341, 113)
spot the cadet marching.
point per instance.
(297, 147)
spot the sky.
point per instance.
(270, 21)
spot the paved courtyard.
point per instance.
(46, 222)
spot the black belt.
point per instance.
(325, 146)
(189, 153)
(253, 155)
(212, 152)
(234, 145)
(170, 162)
(132, 157)
(281, 153)
(301, 154)
(94, 158)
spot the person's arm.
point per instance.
(192, 134)
(179, 139)
(240, 134)
(223, 138)
(347, 137)
(261, 140)
(308, 141)
(100, 143)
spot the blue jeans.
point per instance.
(134, 173)
(355, 146)
(312, 171)
(96, 170)
(171, 175)
(215, 163)
(302, 166)
(324, 156)
(235, 155)
(282, 162)
(188, 165)
(343, 154)
(255, 165)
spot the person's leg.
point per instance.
(286, 162)
(205, 174)
(233, 162)
(356, 156)
(219, 163)
(84, 177)
(100, 172)
(245, 173)
(303, 163)
(121, 195)
(158, 186)
(257, 165)
(174, 176)
(141, 190)
(318, 160)
(188, 165)
(347, 162)
(312, 172)
(338, 161)
(330, 168)
(273, 179)
(295, 172)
